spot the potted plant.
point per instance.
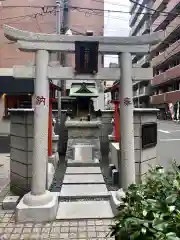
(150, 210)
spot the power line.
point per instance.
(45, 9)
(151, 9)
(33, 15)
(111, 3)
(21, 6)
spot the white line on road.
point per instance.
(163, 131)
(173, 131)
(169, 139)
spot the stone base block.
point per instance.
(114, 202)
(10, 202)
(55, 139)
(111, 138)
(40, 213)
(51, 172)
(83, 152)
(111, 167)
(115, 177)
(54, 159)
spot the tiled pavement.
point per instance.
(82, 230)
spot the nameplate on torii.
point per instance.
(68, 73)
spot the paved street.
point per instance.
(168, 143)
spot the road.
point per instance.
(168, 148)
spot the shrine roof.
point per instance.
(83, 90)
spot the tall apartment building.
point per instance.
(32, 16)
(166, 55)
(140, 24)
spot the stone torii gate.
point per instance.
(40, 204)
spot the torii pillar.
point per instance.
(126, 121)
(41, 202)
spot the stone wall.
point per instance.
(21, 147)
(21, 150)
(144, 158)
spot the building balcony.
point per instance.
(159, 5)
(168, 53)
(157, 99)
(139, 22)
(143, 61)
(156, 4)
(135, 93)
(133, 6)
(142, 92)
(136, 13)
(170, 29)
(166, 76)
(168, 97)
(158, 22)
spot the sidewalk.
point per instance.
(82, 230)
(72, 229)
(4, 174)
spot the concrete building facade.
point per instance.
(166, 56)
(40, 17)
(140, 24)
(163, 91)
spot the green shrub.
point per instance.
(151, 210)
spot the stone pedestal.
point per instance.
(83, 153)
(83, 133)
(144, 158)
(45, 208)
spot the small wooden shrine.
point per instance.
(83, 93)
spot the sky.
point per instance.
(115, 23)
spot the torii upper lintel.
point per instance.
(15, 34)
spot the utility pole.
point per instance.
(66, 31)
(58, 31)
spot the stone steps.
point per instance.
(83, 179)
(84, 194)
(84, 210)
(78, 191)
(72, 163)
(83, 170)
